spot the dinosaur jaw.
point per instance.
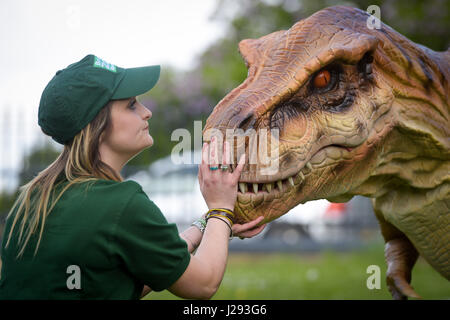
(257, 198)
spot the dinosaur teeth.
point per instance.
(309, 166)
(256, 187)
(291, 181)
(280, 185)
(302, 175)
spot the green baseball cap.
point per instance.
(76, 94)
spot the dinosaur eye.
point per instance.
(322, 79)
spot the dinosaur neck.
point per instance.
(415, 154)
(413, 71)
(411, 160)
(420, 82)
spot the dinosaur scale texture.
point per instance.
(359, 112)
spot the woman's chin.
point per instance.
(150, 141)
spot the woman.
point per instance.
(78, 231)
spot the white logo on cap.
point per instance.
(100, 63)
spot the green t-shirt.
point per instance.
(104, 242)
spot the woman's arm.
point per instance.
(145, 291)
(207, 267)
(193, 237)
(219, 189)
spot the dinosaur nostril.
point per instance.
(247, 123)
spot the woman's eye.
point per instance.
(132, 104)
(322, 79)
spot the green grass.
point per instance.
(325, 275)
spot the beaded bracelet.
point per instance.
(220, 216)
(214, 212)
(219, 213)
(223, 210)
(200, 223)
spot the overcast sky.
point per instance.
(39, 37)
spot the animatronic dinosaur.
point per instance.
(359, 112)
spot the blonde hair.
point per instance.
(78, 162)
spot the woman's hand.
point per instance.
(249, 229)
(219, 188)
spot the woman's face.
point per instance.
(129, 134)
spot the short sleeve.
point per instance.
(149, 246)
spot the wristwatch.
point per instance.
(200, 223)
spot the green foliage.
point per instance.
(176, 102)
(424, 22)
(37, 160)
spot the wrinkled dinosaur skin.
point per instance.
(380, 130)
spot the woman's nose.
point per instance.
(147, 113)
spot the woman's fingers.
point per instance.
(240, 166)
(205, 158)
(251, 233)
(226, 153)
(213, 154)
(251, 224)
(249, 227)
(205, 153)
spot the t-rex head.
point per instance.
(330, 86)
